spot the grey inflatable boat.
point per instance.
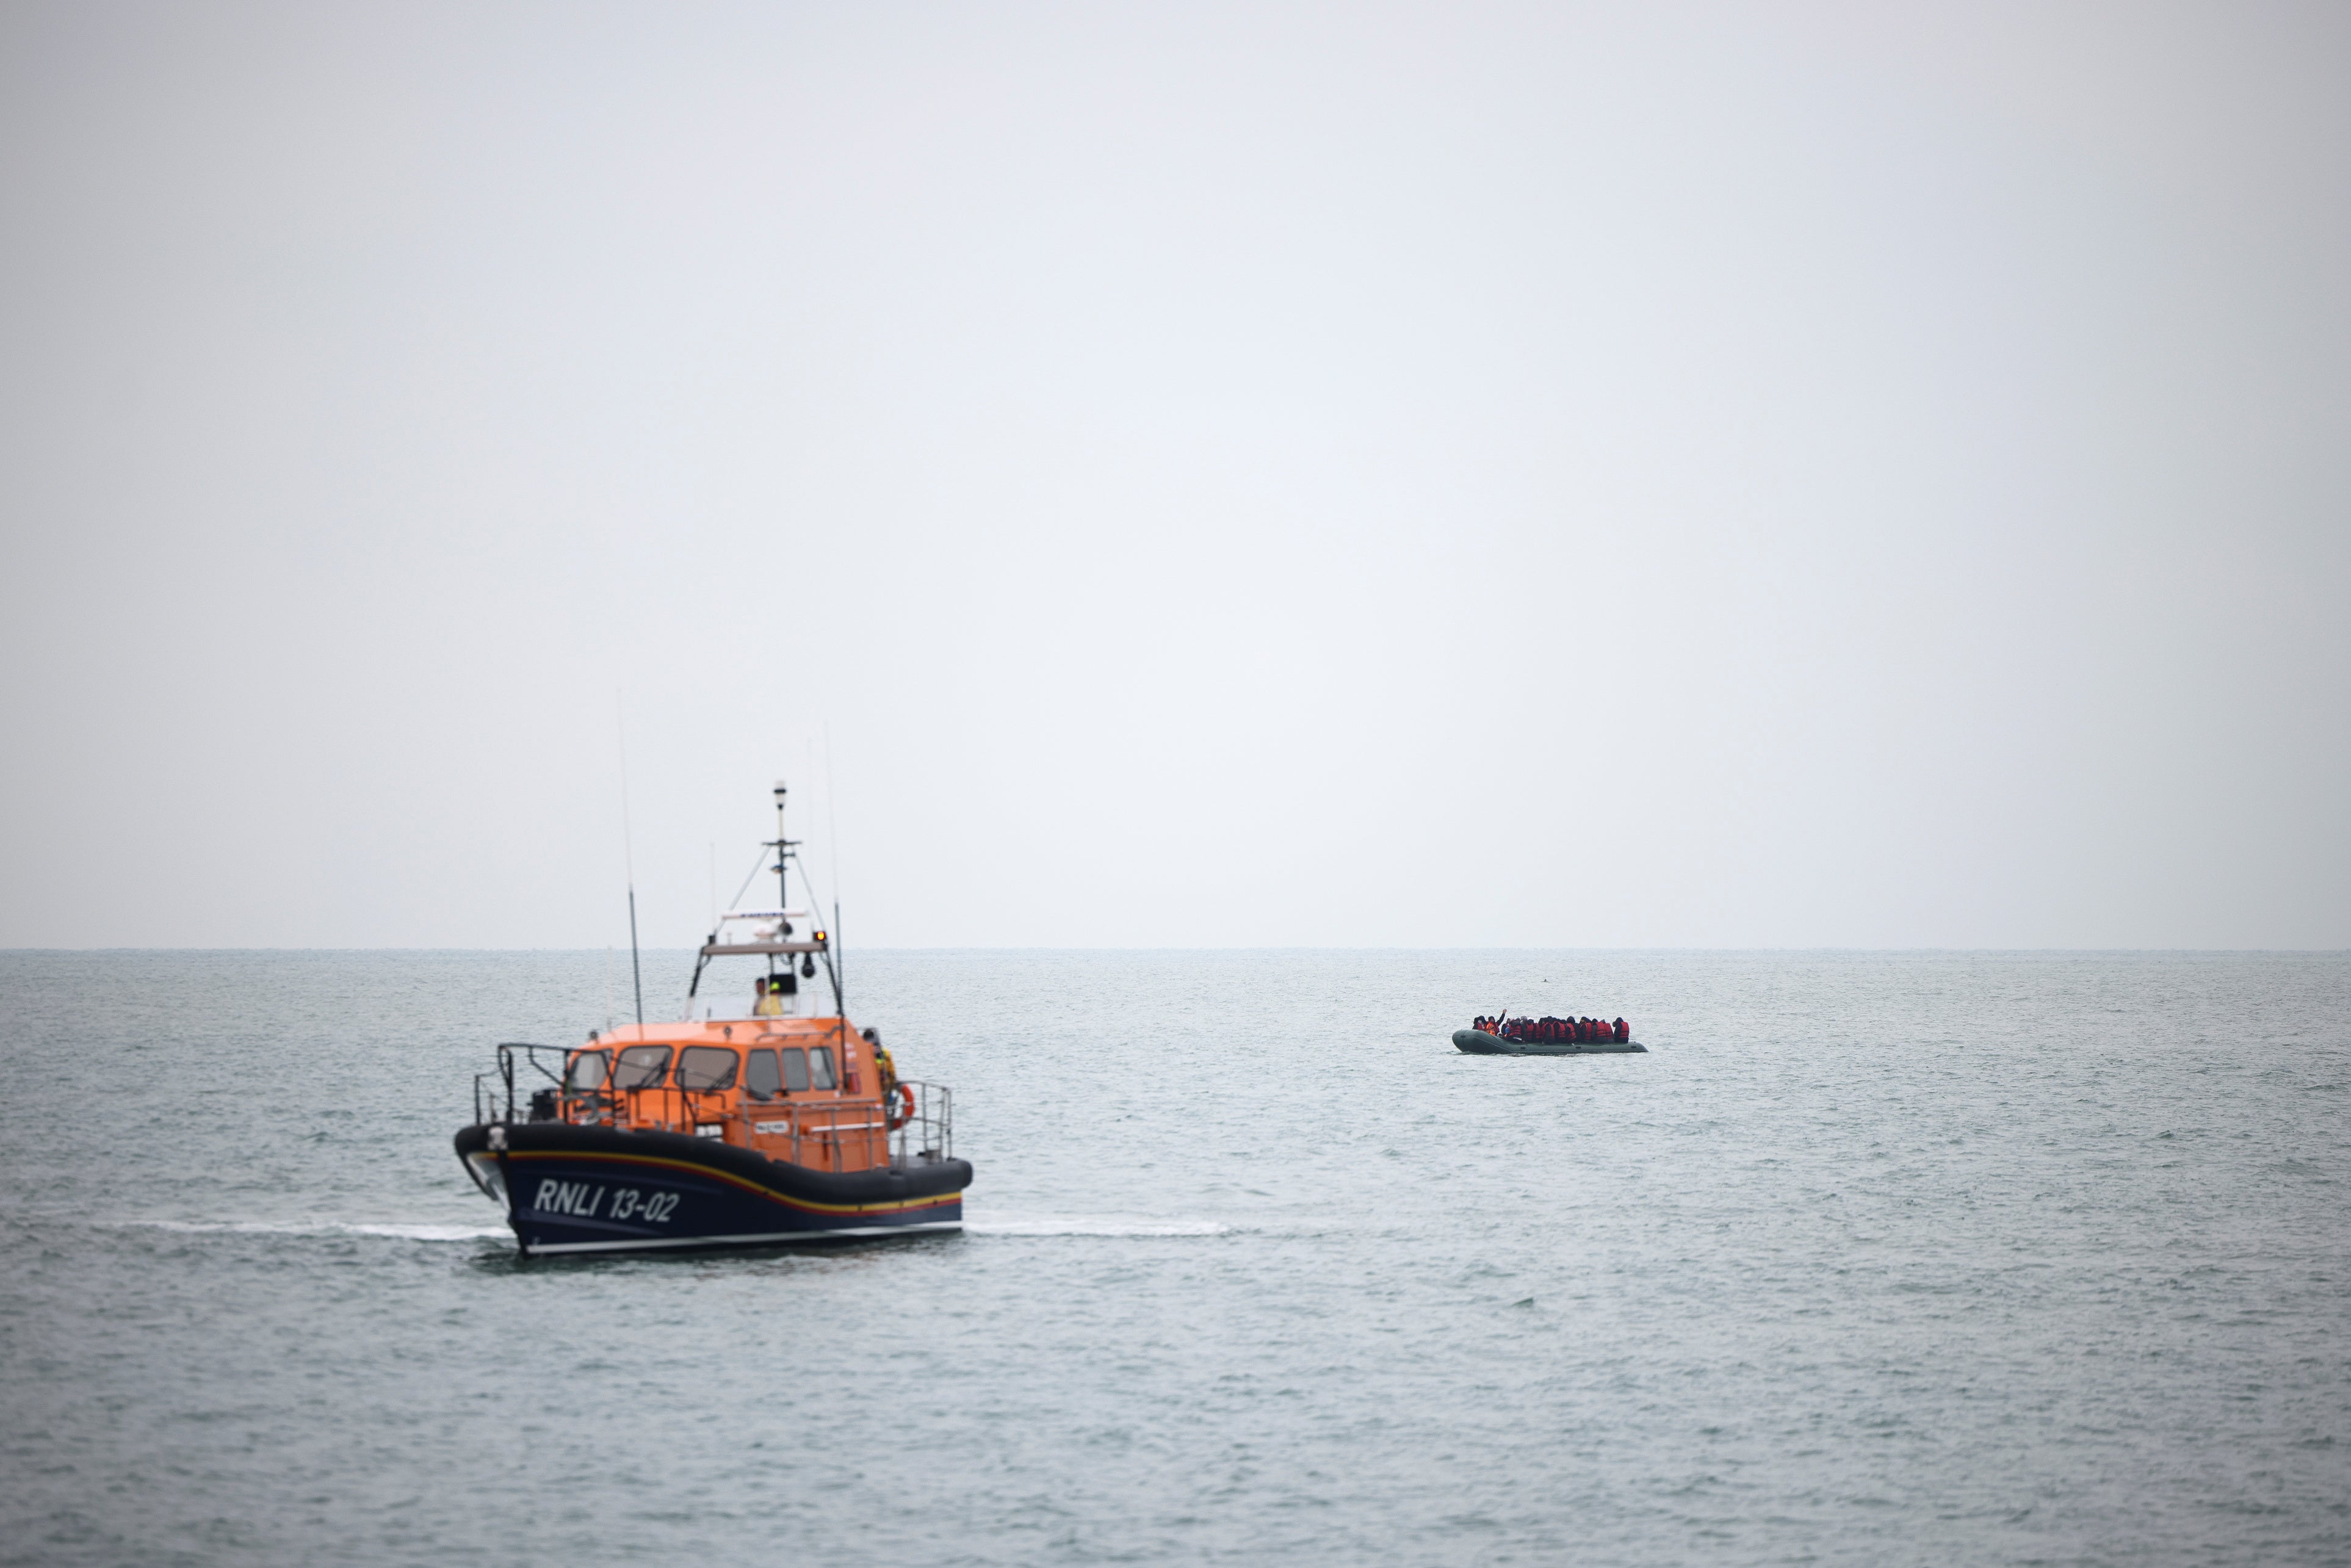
(1478, 1043)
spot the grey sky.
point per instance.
(1220, 474)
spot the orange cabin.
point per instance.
(810, 1091)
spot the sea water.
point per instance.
(1953, 1258)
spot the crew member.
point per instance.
(770, 1003)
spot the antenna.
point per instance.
(783, 851)
(839, 955)
(783, 882)
(629, 850)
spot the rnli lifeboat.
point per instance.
(754, 1126)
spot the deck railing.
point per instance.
(925, 1136)
(494, 1091)
(929, 1133)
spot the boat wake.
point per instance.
(322, 1228)
(1033, 1224)
(1093, 1225)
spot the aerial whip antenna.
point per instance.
(629, 855)
(832, 821)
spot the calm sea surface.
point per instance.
(1935, 1259)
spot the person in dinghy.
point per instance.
(1502, 1035)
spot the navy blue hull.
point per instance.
(594, 1189)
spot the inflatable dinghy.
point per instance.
(1478, 1043)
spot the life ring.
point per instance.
(905, 1099)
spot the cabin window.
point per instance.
(795, 1069)
(706, 1067)
(642, 1067)
(761, 1076)
(586, 1071)
(820, 1065)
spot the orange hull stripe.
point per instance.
(902, 1206)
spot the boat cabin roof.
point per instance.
(738, 1033)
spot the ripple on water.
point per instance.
(1848, 1270)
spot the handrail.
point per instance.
(933, 1123)
(487, 1100)
(926, 1135)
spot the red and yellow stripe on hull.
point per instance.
(596, 1189)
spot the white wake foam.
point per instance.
(1030, 1225)
(1093, 1225)
(324, 1228)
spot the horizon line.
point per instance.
(1269, 948)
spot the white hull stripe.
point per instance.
(760, 1240)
